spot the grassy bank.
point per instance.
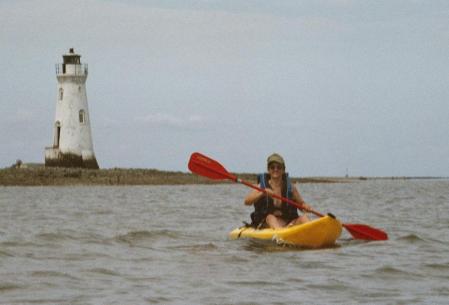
(35, 176)
(78, 176)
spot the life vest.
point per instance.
(265, 205)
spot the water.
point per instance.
(169, 245)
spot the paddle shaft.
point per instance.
(289, 201)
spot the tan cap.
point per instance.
(275, 158)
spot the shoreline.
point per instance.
(56, 176)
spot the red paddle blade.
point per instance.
(360, 231)
(207, 167)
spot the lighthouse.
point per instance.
(72, 136)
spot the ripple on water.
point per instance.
(195, 248)
(55, 236)
(5, 287)
(412, 238)
(6, 253)
(427, 243)
(52, 274)
(148, 239)
(438, 270)
(147, 235)
(332, 285)
(441, 291)
(71, 235)
(252, 283)
(391, 272)
(103, 271)
(438, 266)
(236, 259)
(158, 300)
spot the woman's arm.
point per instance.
(253, 196)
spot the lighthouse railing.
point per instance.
(69, 69)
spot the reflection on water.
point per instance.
(169, 245)
(263, 246)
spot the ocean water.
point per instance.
(169, 245)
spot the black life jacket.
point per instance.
(265, 205)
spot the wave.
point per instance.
(55, 236)
(437, 266)
(88, 238)
(103, 271)
(196, 248)
(4, 287)
(390, 270)
(428, 242)
(5, 253)
(18, 243)
(134, 237)
(411, 238)
(252, 283)
(54, 274)
(235, 259)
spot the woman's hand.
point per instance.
(305, 206)
(269, 192)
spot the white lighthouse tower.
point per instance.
(72, 137)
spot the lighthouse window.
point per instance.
(82, 117)
(61, 94)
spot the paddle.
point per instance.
(207, 167)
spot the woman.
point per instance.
(271, 212)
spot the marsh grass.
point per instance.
(40, 175)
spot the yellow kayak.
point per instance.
(318, 233)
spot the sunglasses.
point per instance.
(275, 167)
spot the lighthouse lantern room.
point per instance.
(72, 136)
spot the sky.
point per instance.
(336, 87)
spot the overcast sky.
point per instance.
(334, 86)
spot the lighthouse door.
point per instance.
(57, 134)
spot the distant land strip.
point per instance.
(47, 176)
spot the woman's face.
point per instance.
(275, 169)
